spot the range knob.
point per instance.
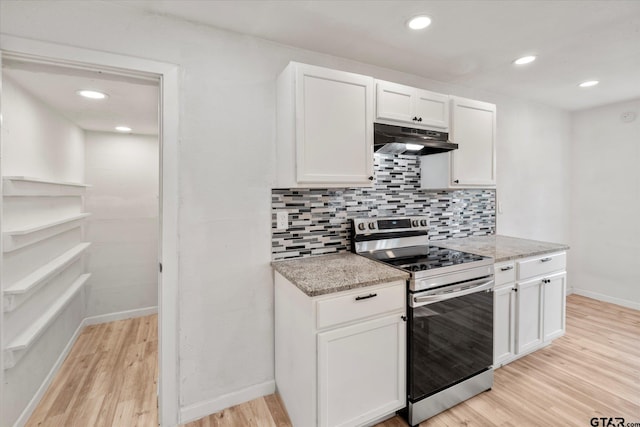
(361, 226)
(372, 225)
(423, 222)
(415, 222)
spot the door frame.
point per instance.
(168, 77)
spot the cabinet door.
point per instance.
(431, 109)
(361, 371)
(394, 102)
(334, 126)
(529, 315)
(554, 306)
(473, 129)
(504, 321)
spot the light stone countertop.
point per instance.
(500, 248)
(327, 274)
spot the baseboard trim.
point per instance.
(33, 403)
(607, 298)
(120, 315)
(202, 409)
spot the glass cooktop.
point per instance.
(421, 258)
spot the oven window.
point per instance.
(449, 341)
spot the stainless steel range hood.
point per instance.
(389, 139)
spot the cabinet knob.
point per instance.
(420, 119)
(370, 178)
(404, 318)
(415, 119)
(456, 181)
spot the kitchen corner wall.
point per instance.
(605, 231)
(319, 218)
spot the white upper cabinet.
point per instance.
(473, 163)
(325, 128)
(399, 104)
(474, 130)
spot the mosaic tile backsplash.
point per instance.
(319, 218)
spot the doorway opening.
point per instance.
(85, 211)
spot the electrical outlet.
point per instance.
(282, 219)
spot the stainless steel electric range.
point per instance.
(449, 311)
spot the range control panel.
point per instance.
(390, 224)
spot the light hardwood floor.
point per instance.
(109, 379)
(593, 371)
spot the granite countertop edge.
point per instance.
(302, 273)
(491, 245)
(336, 289)
(351, 271)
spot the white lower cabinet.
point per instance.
(529, 306)
(340, 358)
(529, 303)
(555, 290)
(504, 321)
(361, 372)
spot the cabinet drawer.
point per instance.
(543, 264)
(366, 302)
(504, 272)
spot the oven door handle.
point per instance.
(478, 286)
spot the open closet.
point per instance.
(80, 216)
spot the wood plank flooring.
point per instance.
(593, 371)
(109, 379)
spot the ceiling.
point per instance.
(469, 43)
(132, 101)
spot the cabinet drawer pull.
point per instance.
(366, 297)
(546, 259)
(507, 268)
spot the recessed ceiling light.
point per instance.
(419, 22)
(589, 83)
(525, 60)
(123, 129)
(92, 94)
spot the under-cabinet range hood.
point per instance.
(389, 139)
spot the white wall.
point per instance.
(38, 140)
(123, 227)
(533, 170)
(605, 204)
(227, 168)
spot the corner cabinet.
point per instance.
(398, 104)
(340, 358)
(325, 128)
(529, 305)
(473, 164)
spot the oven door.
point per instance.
(450, 336)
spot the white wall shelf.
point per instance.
(22, 186)
(20, 344)
(17, 293)
(44, 181)
(21, 237)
